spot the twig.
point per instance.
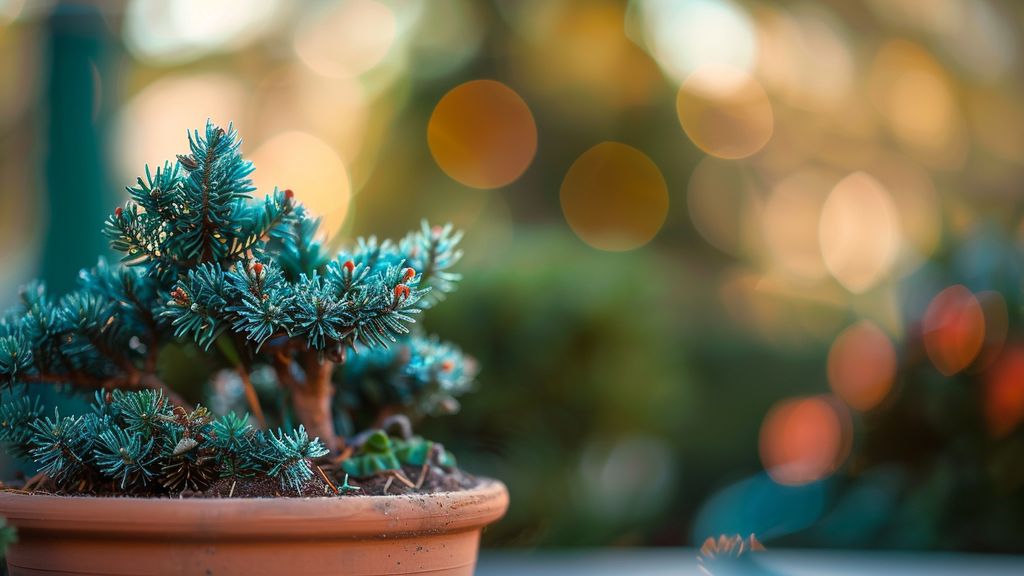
(35, 480)
(251, 397)
(345, 455)
(282, 368)
(232, 491)
(388, 484)
(423, 472)
(403, 478)
(326, 479)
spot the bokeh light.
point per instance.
(631, 477)
(973, 33)
(725, 112)
(862, 366)
(805, 56)
(791, 221)
(166, 107)
(859, 232)
(10, 10)
(981, 40)
(336, 110)
(913, 92)
(614, 197)
(991, 111)
(917, 203)
(684, 35)
(344, 39)
(954, 329)
(482, 134)
(309, 166)
(449, 33)
(758, 505)
(169, 32)
(19, 58)
(724, 206)
(581, 60)
(804, 439)
(1004, 392)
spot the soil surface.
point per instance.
(409, 480)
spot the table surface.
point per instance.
(683, 562)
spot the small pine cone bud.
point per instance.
(349, 266)
(118, 212)
(189, 162)
(289, 195)
(401, 292)
(409, 273)
(436, 231)
(257, 269)
(447, 366)
(179, 296)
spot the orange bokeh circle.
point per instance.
(804, 439)
(482, 134)
(862, 366)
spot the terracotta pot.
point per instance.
(360, 535)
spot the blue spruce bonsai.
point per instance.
(250, 284)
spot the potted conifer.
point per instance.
(323, 475)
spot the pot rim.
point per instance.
(218, 519)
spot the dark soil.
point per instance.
(434, 479)
(410, 480)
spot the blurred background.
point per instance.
(732, 266)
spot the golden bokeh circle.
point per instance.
(725, 112)
(346, 39)
(725, 205)
(614, 197)
(482, 134)
(312, 168)
(859, 232)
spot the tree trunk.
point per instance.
(313, 403)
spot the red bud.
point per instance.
(179, 295)
(401, 291)
(288, 194)
(409, 273)
(349, 265)
(447, 366)
(257, 268)
(118, 211)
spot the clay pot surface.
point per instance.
(358, 535)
